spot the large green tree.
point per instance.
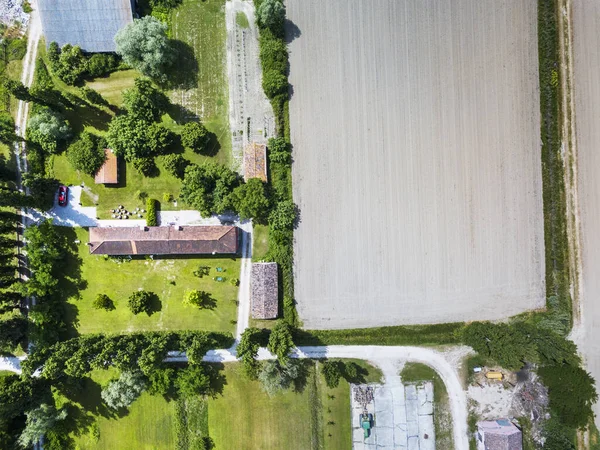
(281, 341)
(271, 14)
(144, 45)
(250, 200)
(144, 101)
(48, 129)
(208, 187)
(39, 421)
(195, 137)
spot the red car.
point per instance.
(63, 195)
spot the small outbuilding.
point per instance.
(500, 434)
(255, 161)
(264, 290)
(109, 172)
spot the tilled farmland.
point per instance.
(416, 134)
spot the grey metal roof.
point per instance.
(91, 24)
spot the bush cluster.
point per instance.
(72, 66)
(87, 153)
(151, 212)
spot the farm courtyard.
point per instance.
(415, 127)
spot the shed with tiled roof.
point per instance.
(264, 290)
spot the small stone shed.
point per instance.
(255, 161)
(109, 172)
(499, 434)
(264, 290)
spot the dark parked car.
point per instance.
(63, 195)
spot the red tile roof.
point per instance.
(193, 240)
(109, 172)
(255, 161)
(264, 290)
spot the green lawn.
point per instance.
(112, 87)
(148, 423)
(95, 275)
(415, 372)
(260, 242)
(245, 417)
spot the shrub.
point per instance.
(283, 216)
(195, 136)
(100, 64)
(122, 392)
(274, 83)
(141, 301)
(152, 212)
(87, 153)
(332, 372)
(273, 53)
(176, 164)
(102, 301)
(192, 381)
(167, 197)
(146, 166)
(279, 151)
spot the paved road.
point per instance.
(586, 24)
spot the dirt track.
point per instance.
(415, 127)
(586, 23)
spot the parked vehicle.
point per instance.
(63, 195)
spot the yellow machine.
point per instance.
(493, 375)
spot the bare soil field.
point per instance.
(586, 23)
(416, 134)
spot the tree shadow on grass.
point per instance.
(183, 74)
(87, 393)
(80, 116)
(154, 305)
(218, 381)
(304, 366)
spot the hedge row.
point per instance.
(152, 212)
(274, 62)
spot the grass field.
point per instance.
(95, 275)
(260, 242)
(147, 425)
(442, 417)
(200, 24)
(261, 422)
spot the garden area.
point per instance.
(90, 275)
(196, 90)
